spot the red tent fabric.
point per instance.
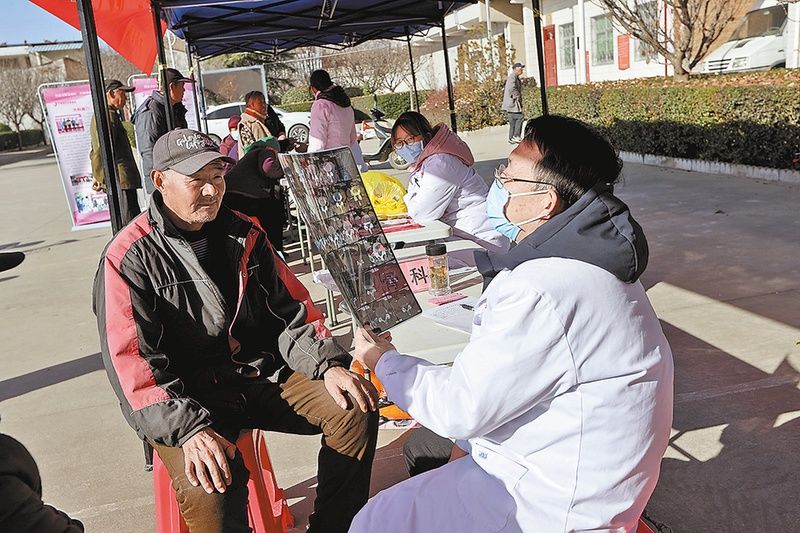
(125, 25)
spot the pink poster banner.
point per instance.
(69, 116)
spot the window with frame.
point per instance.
(648, 13)
(566, 45)
(602, 40)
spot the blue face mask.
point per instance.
(410, 152)
(496, 202)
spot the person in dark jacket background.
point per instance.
(21, 507)
(127, 172)
(252, 187)
(204, 332)
(150, 119)
(512, 102)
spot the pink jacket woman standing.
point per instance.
(332, 118)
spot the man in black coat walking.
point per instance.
(150, 119)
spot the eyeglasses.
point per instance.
(499, 175)
(404, 142)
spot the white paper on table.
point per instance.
(457, 315)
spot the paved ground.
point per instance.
(724, 276)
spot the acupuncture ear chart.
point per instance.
(332, 200)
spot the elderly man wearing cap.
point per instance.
(127, 172)
(204, 333)
(512, 103)
(151, 119)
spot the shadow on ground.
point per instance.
(747, 481)
(39, 379)
(10, 157)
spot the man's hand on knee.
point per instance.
(206, 456)
(339, 380)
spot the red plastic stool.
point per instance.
(644, 527)
(267, 508)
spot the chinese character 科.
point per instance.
(418, 274)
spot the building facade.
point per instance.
(581, 42)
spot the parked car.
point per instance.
(760, 42)
(297, 124)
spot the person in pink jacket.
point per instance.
(333, 122)
(443, 184)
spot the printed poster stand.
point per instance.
(333, 202)
(68, 110)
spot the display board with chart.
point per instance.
(332, 200)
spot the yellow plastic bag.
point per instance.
(386, 194)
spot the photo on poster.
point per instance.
(344, 228)
(69, 124)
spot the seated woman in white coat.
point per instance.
(562, 399)
(442, 184)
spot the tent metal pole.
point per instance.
(537, 26)
(162, 64)
(200, 87)
(450, 98)
(413, 73)
(190, 60)
(95, 68)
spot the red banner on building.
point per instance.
(624, 51)
(125, 25)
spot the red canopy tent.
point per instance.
(125, 25)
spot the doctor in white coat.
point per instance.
(563, 397)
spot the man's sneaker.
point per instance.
(514, 140)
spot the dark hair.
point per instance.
(320, 80)
(415, 124)
(575, 157)
(253, 95)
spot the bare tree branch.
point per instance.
(16, 89)
(371, 67)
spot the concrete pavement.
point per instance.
(724, 277)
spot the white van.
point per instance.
(759, 42)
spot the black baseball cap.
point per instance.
(517, 65)
(185, 151)
(113, 85)
(174, 76)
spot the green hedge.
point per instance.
(10, 141)
(751, 119)
(393, 104)
(294, 95)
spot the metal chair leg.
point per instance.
(330, 303)
(148, 456)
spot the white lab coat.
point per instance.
(446, 189)
(564, 394)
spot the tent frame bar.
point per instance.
(97, 85)
(537, 25)
(162, 65)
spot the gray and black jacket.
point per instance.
(168, 337)
(150, 121)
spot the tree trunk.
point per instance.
(19, 139)
(679, 71)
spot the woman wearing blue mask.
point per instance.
(443, 185)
